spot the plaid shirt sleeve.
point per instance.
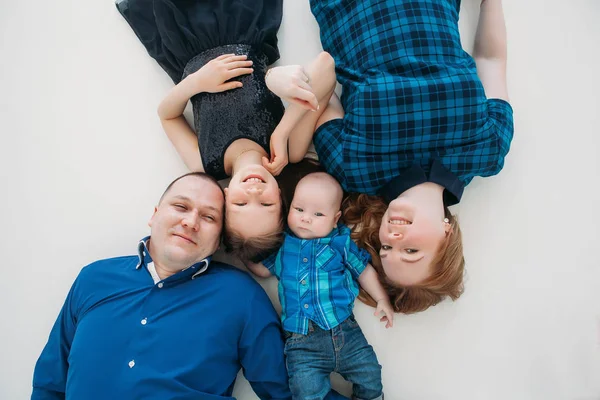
(501, 114)
(355, 258)
(270, 262)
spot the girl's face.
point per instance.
(253, 202)
(410, 238)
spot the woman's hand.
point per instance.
(213, 75)
(292, 84)
(279, 153)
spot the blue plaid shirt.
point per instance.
(317, 279)
(410, 92)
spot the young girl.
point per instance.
(217, 52)
(418, 119)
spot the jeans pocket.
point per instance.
(352, 321)
(293, 337)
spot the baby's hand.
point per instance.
(384, 307)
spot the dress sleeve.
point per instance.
(500, 113)
(50, 374)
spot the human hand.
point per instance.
(279, 154)
(213, 75)
(384, 307)
(291, 83)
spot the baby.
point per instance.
(319, 269)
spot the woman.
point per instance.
(422, 118)
(217, 53)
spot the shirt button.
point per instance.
(304, 260)
(303, 282)
(306, 306)
(131, 364)
(144, 321)
(160, 285)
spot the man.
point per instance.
(168, 323)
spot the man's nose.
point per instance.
(191, 221)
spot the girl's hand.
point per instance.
(384, 307)
(213, 75)
(279, 154)
(291, 83)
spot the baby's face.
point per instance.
(315, 210)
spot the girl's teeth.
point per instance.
(398, 222)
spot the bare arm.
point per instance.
(490, 52)
(369, 281)
(212, 78)
(177, 129)
(296, 128)
(323, 79)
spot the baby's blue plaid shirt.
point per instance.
(317, 279)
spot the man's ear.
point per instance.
(337, 217)
(152, 218)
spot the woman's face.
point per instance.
(410, 238)
(253, 202)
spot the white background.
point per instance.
(83, 161)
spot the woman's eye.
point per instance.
(266, 204)
(412, 251)
(385, 247)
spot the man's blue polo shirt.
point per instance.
(119, 335)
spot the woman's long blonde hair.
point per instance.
(365, 213)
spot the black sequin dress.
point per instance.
(182, 36)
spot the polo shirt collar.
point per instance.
(415, 175)
(145, 258)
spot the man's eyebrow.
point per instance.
(215, 209)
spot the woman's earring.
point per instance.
(446, 220)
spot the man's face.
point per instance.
(186, 225)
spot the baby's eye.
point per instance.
(298, 209)
(240, 204)
(318, 214)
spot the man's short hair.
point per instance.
(202, 175)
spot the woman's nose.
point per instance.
(396, 236)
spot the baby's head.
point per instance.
(315, 208)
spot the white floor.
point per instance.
(83, 160)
